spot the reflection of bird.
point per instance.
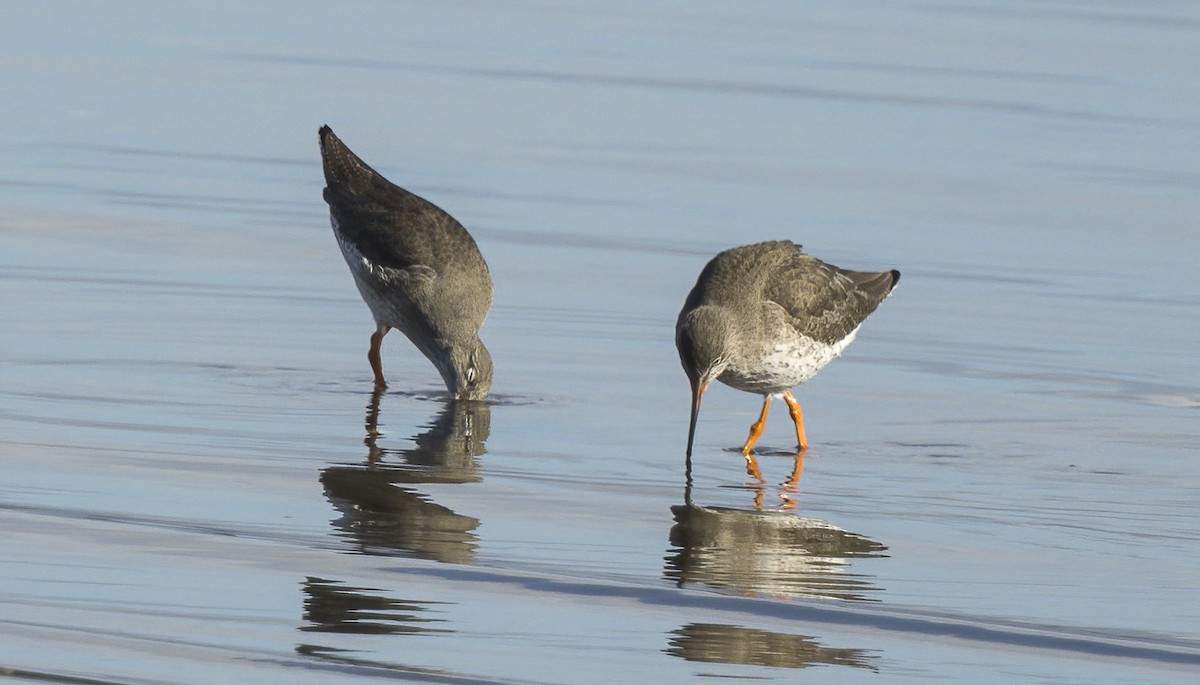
(770, 552)
(725, 644)
(384, 514)
(385, 517)
(416, 267)
(453, 442)
(331, 606)
(764, 318)
(446, 452)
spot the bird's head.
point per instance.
(468, 372)
(702, 337)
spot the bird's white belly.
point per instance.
(372, 284)
(784, 365)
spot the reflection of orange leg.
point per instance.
(758, 499)
(756, 429)
(793, 480)
(752, 468)
(792, 484)
(797, 418)
(373, 356)
(788, 503)
(374, 454)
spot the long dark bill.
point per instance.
(698, 389)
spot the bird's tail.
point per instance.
(875, 285)
(343, 168)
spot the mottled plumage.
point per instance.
(764, 318)
(416, 267)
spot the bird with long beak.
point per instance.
(415, 266)
(766, 317)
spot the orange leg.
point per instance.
(756, 429)
(373, 356)
(797, 417)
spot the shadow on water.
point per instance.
(776, 553)
(726, 644)
(381, 509)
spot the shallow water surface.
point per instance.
(200, 486)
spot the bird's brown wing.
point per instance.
(825, 303)
(390, 226)
(411, 242)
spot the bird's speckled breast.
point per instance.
(775, 368)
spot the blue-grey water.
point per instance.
(197, 485)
